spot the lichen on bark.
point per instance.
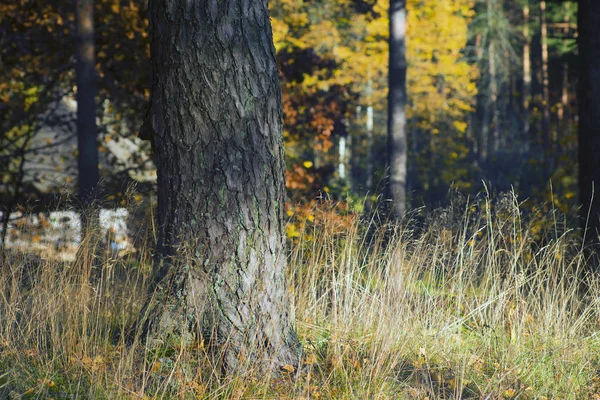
(215, 118)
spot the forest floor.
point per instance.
(473, 302)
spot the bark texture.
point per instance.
(589, 115)
(397, 100)
(85, 69)
(216, 122)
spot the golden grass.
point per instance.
(473, 303)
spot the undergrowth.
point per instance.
(475, 302)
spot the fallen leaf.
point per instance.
(288, 368)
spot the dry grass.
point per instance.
(477, 304)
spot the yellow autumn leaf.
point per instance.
(311, 359)
(288, 368)
(155, 366)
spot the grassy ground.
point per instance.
(477, 304)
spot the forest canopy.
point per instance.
(491, 96)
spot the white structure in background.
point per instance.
(50, 164)
(66, 228)
(61, 230)
(114, 224)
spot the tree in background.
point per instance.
(397, 151)
(589, 116)
(215, 117)
(475, 86)
(333, 57)
(85, 71)
(31, 73)
(441, 85)
(39, 40)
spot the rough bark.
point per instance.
(397, 100)
(215, 117)
(85, 70)
(589, 116)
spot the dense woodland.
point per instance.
(491, 95)
(332, 198)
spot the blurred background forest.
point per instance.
(491, 101)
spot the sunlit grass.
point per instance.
(473, 302)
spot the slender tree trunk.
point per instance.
(414, 186)
(526, 77)
(493, 102)
(564, 98)
(370, 156)
(85, 70)
(512, 137)
(589, 116)
(493, 88)
(397, 100)
(344, 146)
(563, 118)
(369, 128)
(216, 119)
(545, 80)
(481, 115)
(563, 106)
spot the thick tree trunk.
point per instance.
(397, 100)
(589, 116)
(216, 119)
(85, 70)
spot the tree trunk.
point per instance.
(493, 141)
(370, 156)
(511, 138)
(526, 77)
(545, 81)
(563, 108)
(397, 100)
(369, 170)
(344, 156)
(589, 116)
(481, 116)
(216, 119)
(85, 70)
